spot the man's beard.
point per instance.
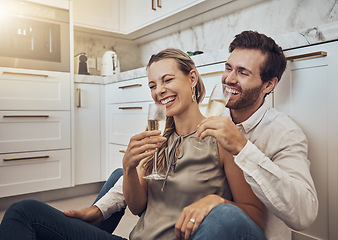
(247, 98)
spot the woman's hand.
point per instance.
(141, 146)
(134, 186)
(90, 215)
(192, 215)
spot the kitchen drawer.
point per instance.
(211, 75)
(22, 89)
(22, 173)
(126, 120)
(34, 130)
(115, 156)
(129, 91)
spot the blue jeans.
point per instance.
(228, 222)
(31, 219)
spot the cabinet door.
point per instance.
(23, 89)
(34, 130)
(134, 90)
(308, 94)
(102, 15)
(140, 13)
(22, 173)
(87, 134)
(126, 120)
(115, 156)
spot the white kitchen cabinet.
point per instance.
(115, 153)
(28, 172)
(133, 90)
(126, 120)
(127, 110)
(35, 148)
(23, 131)
(140, 13)
(26, 89)
(100, 15)
(53, 3)
(308, 94)
(87, 133)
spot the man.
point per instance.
(269, 148)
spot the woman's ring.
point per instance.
(192, 220)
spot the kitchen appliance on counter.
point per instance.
(34, 36)
(80, 64)
(110, 64)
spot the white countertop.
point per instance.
(200, 60)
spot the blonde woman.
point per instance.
(197, 183)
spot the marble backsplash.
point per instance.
(292, 23)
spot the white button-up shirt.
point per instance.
(275, 164)
(113, 201)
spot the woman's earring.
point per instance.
(193, 94)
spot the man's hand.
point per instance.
(91, 215)
(225, 132)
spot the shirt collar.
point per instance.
(254, 119)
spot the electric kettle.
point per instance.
(110, 64)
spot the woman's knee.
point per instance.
(26, 204)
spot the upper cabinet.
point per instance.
(141, 13)
(59, 3)
(100, 15)
(134, 19)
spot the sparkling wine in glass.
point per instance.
(218, 100)
(156, 121)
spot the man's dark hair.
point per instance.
(275, 63)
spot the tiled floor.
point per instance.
(125, 226)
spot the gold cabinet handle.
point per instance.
(26, 74)
(78, 97)
(211, 73)
(25, 158)
(159, 3)
(306, 56)
(153, 5)
(129, 108)
(26, 116)
(130, 86)
(122, 151)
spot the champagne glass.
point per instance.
(156, 121)
(218, 100)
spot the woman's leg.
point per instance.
(31, 219)
(228, 222)
(110, 224)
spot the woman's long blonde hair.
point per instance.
(185, 64)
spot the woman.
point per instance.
(197, 185)
(196, 182)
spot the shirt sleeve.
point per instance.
(113, 201)
(283, 184)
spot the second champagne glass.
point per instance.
(156, 121)
(218, 100)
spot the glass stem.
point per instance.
(154, 163)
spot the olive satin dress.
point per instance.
(191, 174)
